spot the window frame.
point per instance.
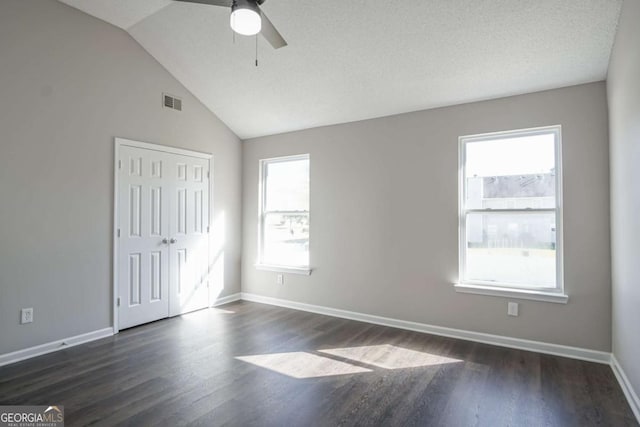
(549, 294)
(263, 213)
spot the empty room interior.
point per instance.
(381, 213)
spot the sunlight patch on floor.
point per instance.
(302, 365)
(389, 356)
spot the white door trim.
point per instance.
(119, 142)
(163, 148)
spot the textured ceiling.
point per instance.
(359, 59)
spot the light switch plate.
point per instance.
(512, 309)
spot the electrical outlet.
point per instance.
(26, 315)
(512, 309)
(280, 279)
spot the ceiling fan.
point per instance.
(248, 19)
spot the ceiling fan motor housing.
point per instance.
(246, 4)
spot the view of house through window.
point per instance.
(284, 214)
(509, 209)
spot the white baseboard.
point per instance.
(27, 353)
(627, 388)
(227, 299)
(517, 343)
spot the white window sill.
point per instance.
(305, 271)
(553, 297)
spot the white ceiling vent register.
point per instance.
(172, 102)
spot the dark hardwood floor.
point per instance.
(247, 364)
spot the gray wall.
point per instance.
(69, 84)
(384, 217)
(623, 86)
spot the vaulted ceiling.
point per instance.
(350, 60)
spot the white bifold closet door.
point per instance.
(163, 243)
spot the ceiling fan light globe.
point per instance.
(246, 21)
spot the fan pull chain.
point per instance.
(256, 50)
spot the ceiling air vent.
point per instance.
(171, 102)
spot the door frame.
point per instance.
(119, 142)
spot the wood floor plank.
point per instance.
(188, 371)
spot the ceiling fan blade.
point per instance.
(223, 3)
(270, 33)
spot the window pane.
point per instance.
(286, 239)
(287, 186)
(518, 249)
(511, 173)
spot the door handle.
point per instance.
(165, 241)
(172, 241)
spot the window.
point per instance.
(510, 212)
(284, 214)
